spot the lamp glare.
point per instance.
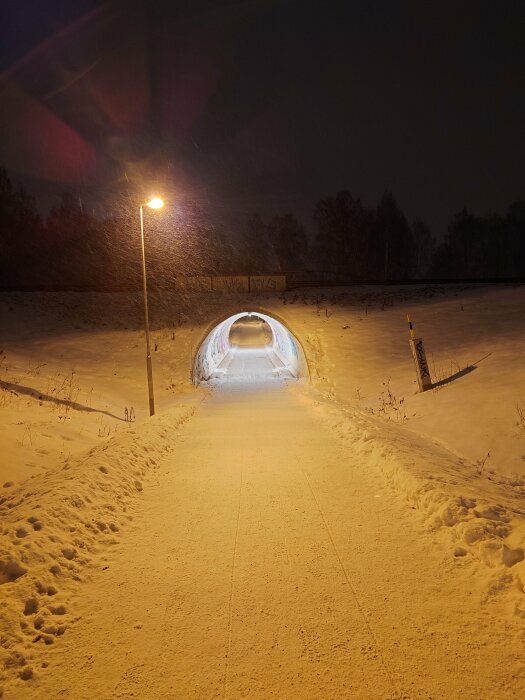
(155, 203)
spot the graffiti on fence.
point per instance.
(232, 284)
(268, 283)
(194, 284)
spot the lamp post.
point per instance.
(154, 203)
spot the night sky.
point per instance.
(267, 105)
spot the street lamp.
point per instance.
(154, 203)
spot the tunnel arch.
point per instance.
(215, 344)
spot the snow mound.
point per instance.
(57, 525)
(475, 513)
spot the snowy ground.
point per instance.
(251, 364)
(264, 538)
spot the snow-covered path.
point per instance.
(252, 364)
(270, 562)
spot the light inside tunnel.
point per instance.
(250, 331)
(221, 355)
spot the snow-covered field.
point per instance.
(293, 539)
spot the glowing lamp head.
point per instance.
(155, 203)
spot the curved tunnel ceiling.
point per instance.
(216, 347)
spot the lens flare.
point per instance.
(155, 203)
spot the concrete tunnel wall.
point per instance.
(216, 346)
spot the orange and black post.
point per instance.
(411, 327)
(418, 353)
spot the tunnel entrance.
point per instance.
(249, 347)
(250, 331)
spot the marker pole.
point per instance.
(420, 359)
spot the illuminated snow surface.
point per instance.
(248, 365)
(264, 535)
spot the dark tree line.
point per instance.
(352, 241)
(359, 242)
(281, 245)
(21, 233)
(483, 247)
(74, 249)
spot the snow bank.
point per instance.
(356, 346)
(70, 480)
(475, 513)
(72, 369)
(473, 337)
(57, 525)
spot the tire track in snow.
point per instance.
(232, 585)
(386, 669)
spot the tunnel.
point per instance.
(249, 346)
